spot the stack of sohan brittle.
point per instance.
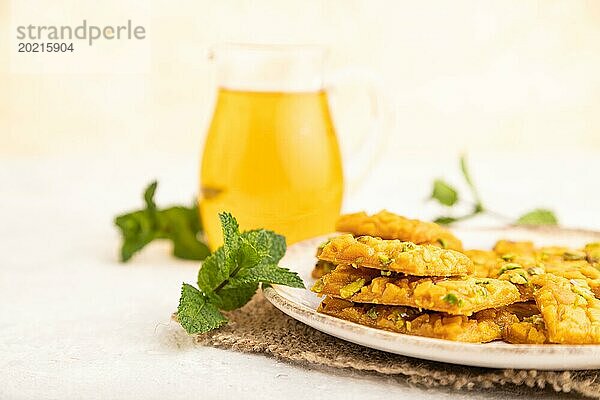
(413, 277)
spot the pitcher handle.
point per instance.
(360, 160)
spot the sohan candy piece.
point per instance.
(491, 264)
(485, 262)
(395, 255)
(570, 310)
(592, 251)
(508, 247)
(526, 325)
(531, 330)
(410, 321)
(459, 296)
(578, 271)
(556, 253)
(387, 225)
(346, 281)
(510, 259)
(562, 258)
(321, 267)
(520, 269)
(519, 276)
(572, 264)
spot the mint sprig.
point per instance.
(181, 225)
(448, 196)
(230, 276)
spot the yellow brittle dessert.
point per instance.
(395, 255)
(461, 296)
(570, 311)
(485, 262)
(507, 247)
(531, 330)
(475, 329)
(592, 251)
(387, 225)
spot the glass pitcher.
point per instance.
(271, 156)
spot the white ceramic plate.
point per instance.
(301, 305)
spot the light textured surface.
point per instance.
(75, 323)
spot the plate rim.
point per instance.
(277, 299)
(275, 294)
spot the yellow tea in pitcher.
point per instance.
(272, 160)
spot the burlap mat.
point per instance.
(259, 327)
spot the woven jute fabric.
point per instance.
(259, 327)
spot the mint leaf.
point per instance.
(230, 298)
(231, 239)
(248, 256)
(181, 225)
(196, 313)
(213, 279)
(267, 273)
(444, 193)
(137, 229)
(538, 217)
(445, 220)
(269, 244)
(213, 272)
